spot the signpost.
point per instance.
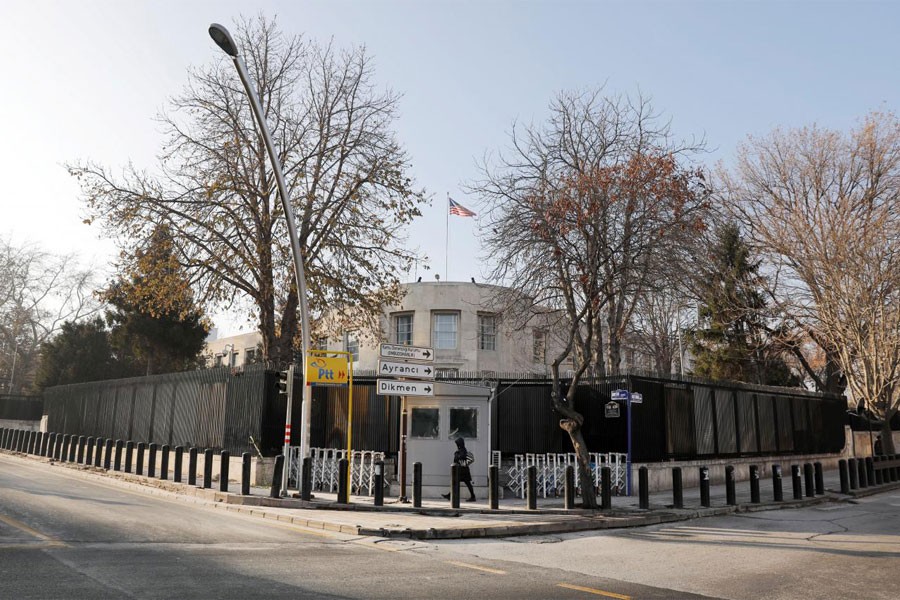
(407, 352)
(388, 368)
(629, 398)
(322, 370)
(392, 387)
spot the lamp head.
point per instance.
(223, 39)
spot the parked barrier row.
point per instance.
(550, 470)
(325, 469)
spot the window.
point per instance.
(351, 344)
(487, 332)
(249, 356)
(444, 328)
(219, 358)
(425, 423)
(320, 343)
(403, 329)
(464, 423)
(538, 345)
(232, 359)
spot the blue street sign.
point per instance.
(619, 395)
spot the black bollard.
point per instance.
(224, 464)
(45, 440)
(98, 452)
(754, 484)
(379, 483)
(809, 480)
(853, 472)
(207, 469)
(36, 443)
(3, 438)
(454, 486)
(879, 474)
(31, 438)
(417, 485)
(730, 493)
(117, 464)
(343, 496)
(777, 488)
(677, 488)
(89, 451)
(73, 447)
(164, 462)
(79, 457)
(179, 464)
(245, 474)
(845, 476)
(644, 488)
(192, 467)
(605, 488)
(306, 489)
(863, 473)
(820, 478)
(494, 487)
(26, 446)
(797, 482)
(894, 470)
(870, 470)
(64, 454)
(704, 487)
(107, 454)
(58, 450)
(129, 455)
(139, 461)
(277, 475)
(570, 487)
(531, 492)
(151, 461)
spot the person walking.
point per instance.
(463, 458)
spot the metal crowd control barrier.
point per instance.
(551, 472)
(324, 472)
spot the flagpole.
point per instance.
(447, 241)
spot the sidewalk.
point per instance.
(437, 520)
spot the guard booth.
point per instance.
(432, 426)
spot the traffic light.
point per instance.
(283, 383)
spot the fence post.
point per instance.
(164, 462)
(139, 465)
(179, 464)
(224, 460)
(820, 478)
(417, 485)
(704, 487)
(754, 484)
(570, 487)
(644, 487)
(207, 468)
(797, 483)
(605, 488)
(306, 484)
(845, 476)
(677, 488)
(343, 495)
(853, 472)
(531, 492)
(245, 474)
(730, 493)
(275, 489)
(777, 489)
(809, 480)
(117, 465)
(151, 461)
(192, 466)
(494, 487)
(379, 483)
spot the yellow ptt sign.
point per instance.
(326, 371)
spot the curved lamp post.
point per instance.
(223, 40)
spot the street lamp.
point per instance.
(223, 40)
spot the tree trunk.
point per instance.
(588, 491)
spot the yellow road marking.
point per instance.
(30, 531)
(593, 591)
(476, 567)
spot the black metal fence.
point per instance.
(20, 408)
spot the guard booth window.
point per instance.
(464, 423)
(425, 423)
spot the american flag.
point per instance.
(459, 210)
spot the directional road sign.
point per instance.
(387, 368)
(619, 395)
(407, 352)
(392, 387)
(326, 371)
(637, 398)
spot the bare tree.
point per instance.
(39, 291)
(825, 206)
(216, 193)
(581, 214)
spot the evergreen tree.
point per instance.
(79, 352)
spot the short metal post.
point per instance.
(164, 462)
(64, 454)
(894, 470)
(644, 488)
(179, 464)
(570, 487)
(73, 447)
(879, 474)
(306, 484)
(454, 486)
(207, 468)
(870, 470)
(605, 488)
(797, 482)
(853, 471)
(224, 460)
(277, 474)
(809, 480)
(343, 496)
(379, 483)
(192, 467)
(754, 484)
(107, 454)
(730, 492)
(129, 455)
(417, 485)
(532, 488)
(139, 461)
(58, 451)
(245, 474)
(820, 478)
(845, 476)
(79, 457)
(777, 488)
(88, 451)
(863, 473)
(38, 441)
(3, 438)
(151, 461)
(117, 464)
(32, 438)
(494, 487)
(704, 487)
(677, 488)
(45, 440)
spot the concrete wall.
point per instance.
(26, 425)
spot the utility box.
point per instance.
(432, 425)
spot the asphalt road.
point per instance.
(63, 535)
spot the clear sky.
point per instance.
(84, 79)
